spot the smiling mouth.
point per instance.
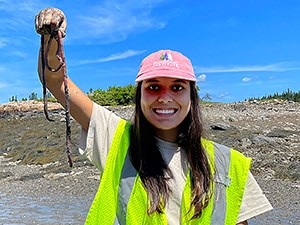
(165, 111)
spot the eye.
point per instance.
(153, 87)
(177, 88)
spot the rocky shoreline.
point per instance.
(33, 162)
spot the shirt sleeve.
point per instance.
(95, 142)
(254, 201)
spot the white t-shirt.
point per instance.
(95, 144)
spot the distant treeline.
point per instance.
(118, 95)
(32, 96)
(288, 95)
(113, 96)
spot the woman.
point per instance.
(157, 169)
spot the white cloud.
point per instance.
(20, 6)
(104, 22)
(19, 54)
(223, 95)
(247, 79)
(19, 12)
(276, 67)
(17, 21)
(201, 78)
(113, 57)
(114, 21)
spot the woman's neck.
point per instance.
(167, 135)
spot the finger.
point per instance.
(36, 20)
(39, 20)
(47, 16)
(63, 27)
(57, 18)
(59, 21)
(39, 23)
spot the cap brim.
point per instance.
(155, 74)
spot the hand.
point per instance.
(49, 20)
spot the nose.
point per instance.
(164, 97)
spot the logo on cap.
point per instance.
(166, 60)
(166, 56)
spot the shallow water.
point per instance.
(277, 216)
(33, 210)
(20, 210)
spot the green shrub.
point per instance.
(288, 95)
(114, 95)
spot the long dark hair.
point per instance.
(147, 159)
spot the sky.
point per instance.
(239, 49)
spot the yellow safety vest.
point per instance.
(122, 199)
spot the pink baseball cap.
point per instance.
(166, 63)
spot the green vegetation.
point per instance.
(117, 95)
(33, 96)
(13, 98)
(288, 95)
(113, 96)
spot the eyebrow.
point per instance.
(180, 81)
(175, 81)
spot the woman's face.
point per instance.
(165, 103)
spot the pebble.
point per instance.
(245, 127)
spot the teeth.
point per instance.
(165, 111)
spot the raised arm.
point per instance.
(80, 105)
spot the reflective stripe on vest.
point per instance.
(122, 199)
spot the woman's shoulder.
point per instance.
(104, 113)
(216, 148)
